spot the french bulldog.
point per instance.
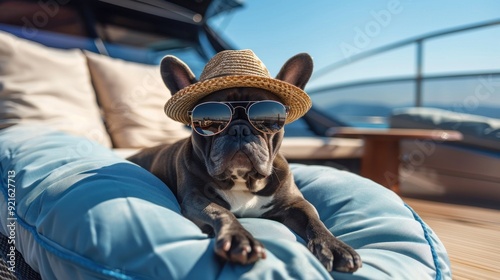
(240, 172)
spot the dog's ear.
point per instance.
(297, 70)
(176, 74)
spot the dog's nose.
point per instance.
(239, 130)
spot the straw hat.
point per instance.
(236, 68)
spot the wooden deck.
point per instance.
(471, 236)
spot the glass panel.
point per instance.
(365, 105)
(471, 51)
(478, 95)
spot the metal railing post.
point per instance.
(418, 75)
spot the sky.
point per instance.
(334, 30)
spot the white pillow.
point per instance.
(42, 85)
(132, 96)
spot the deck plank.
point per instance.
(471, 236)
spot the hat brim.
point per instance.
(180, 103)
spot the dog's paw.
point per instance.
(334, 254)
(239, 246)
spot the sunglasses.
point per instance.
(211, 118)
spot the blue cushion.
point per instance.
(84, 213)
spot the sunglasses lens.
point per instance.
(267, 116)
(210, 118)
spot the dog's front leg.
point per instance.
(302, 217)
(232, 242)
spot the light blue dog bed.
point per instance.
(84, 213)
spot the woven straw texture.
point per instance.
(230, 69)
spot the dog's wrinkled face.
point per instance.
(240, 151)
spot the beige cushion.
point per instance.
(51, 87)
(132, 96)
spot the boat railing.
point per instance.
(418, 77)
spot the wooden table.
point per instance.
(381, 155)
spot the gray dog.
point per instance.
(231, 166)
